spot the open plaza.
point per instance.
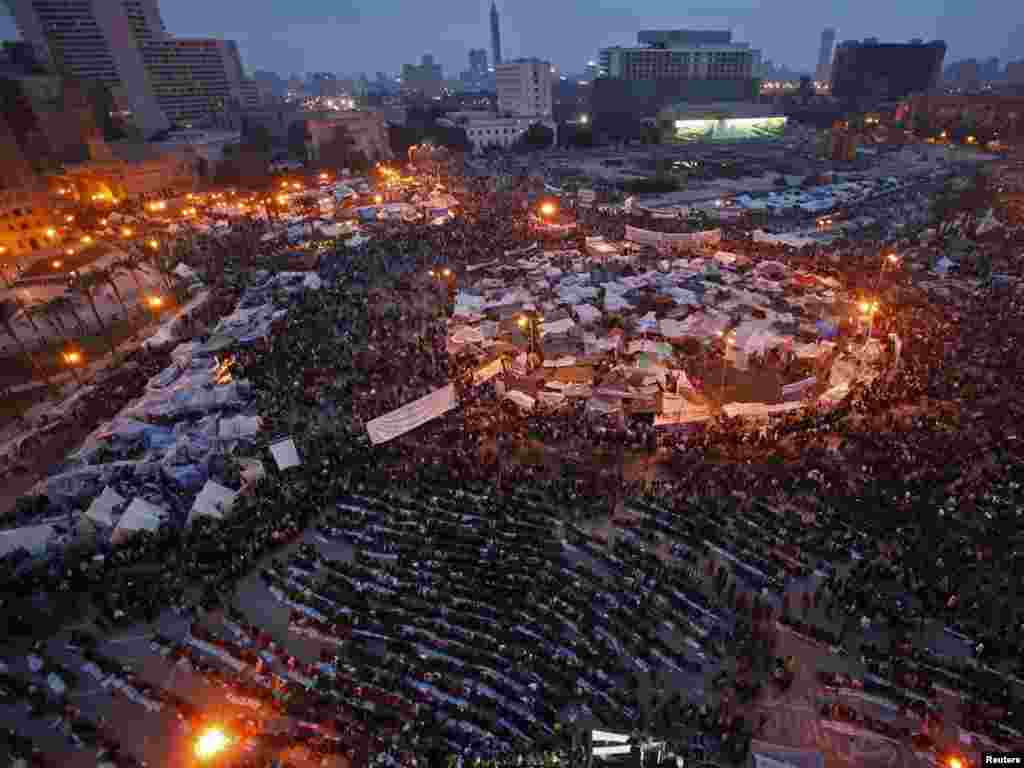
(464, 464)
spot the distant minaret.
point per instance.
(495, 35)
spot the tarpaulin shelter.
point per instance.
(140, 515)
(214, 500)
(102, 509)
(31, 538)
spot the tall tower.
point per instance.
(495, 35)
(828, 39)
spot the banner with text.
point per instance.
(412, 415)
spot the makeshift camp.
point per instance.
(103, 507)
(30, 538)
(140, 515)
(215, 500)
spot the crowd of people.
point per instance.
(479, 607)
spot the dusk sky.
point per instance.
(350, 36)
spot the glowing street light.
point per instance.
(154, 244)
(73, 357)
(211, 743)
(155, 302)
(56, 263)
(548, 209)
(584, 119)
(127, 232)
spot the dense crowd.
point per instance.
(903, 499)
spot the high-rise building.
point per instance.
(828, 40)
(524, 87)
(196, 80)
(495, 35)
(424, 78)
(116, 42)
(669, 67)
(681, 54)
(1015, 72)
(478, 61)
(867, 73)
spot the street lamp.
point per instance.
(729, 340)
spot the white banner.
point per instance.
(648, 237)
(410, 416)
(798, 389)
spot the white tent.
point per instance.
(32, 538)
(141, 515)
(521, 399)
(214, 500)
(239, 426)
(102, 508)
(285, 453)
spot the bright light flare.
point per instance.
(127, 232)
(155, 302)
(51, 232)
(447, 273)
(893, 258)
(548, 209)
(523, 322)
(72, 358)
(955, 762)
(153, 244)
(56, 263)
(211, 743)
(378, 199)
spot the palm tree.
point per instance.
(61, 304)
(54, 320)
(8, 311)
(108, 275)
(86, 285)
(129, 264)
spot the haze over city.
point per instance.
(345, 35)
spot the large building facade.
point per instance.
(868, 73)
(124, 45)
(425, 78)
(524, 88)
(823, 73)
(675, 66)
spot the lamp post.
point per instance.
(888, 258)
(72, 359)
(530, 321)
(728, 339)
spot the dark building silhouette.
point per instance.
(868, 73)
(620, 105)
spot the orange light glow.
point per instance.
(378, 199)
(956, 762)
(72, 358)
(155, 302)
(548, 209)
(323, 177)
(51, 232)
(127, 232)
(211, 743)
(154, 244)
(86, 239)
(56, 263)
(69, 218)
(70, 251)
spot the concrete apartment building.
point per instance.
(524, 88)
(124, 45)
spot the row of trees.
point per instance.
(84, 288)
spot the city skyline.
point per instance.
(319, 36)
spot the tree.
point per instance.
(8, 311)
(109, 276)
(298, 135)
(537, 136)
(86, 285)
(337, 152)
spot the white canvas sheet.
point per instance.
(140, 516)
(559, 326)
(521, 399)
(285, 454)
(754, 410)
(214, 500)
(412, 415)
(238, 427)
(102, 508)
